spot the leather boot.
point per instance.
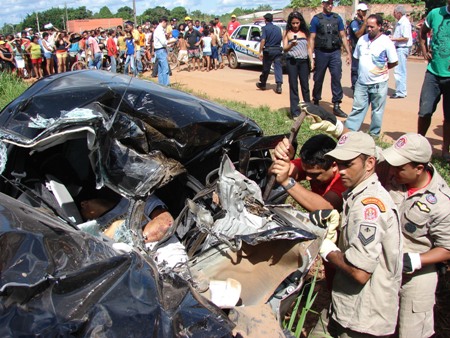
(338, 111)
(261, 85)
(279, 89)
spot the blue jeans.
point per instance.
(163, 67)
(297, 69)
(400, 72)
(139, 53)
(96, 61)
(354, 71)
(113, 63)
(272, 55)
(364, 95)
(331, 60)
(129, 61)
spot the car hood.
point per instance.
(178, 124)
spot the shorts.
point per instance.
(36, 61)
(48, 55)
(214, 52)
(225, 49)
(61, 55)
(194, 53)
(433, 87)
(73, 54)
(207, 53)
(183, 56)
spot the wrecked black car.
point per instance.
(246, 258)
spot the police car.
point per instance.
(244, 44)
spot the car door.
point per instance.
(243, 47)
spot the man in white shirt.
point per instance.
(376, 55)
(160, 48)
(402, 39)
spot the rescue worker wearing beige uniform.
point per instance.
(423, 199)
(369, 258)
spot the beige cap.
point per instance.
(353, 144)
(410, 147)
(233, 16)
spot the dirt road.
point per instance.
(239, 85)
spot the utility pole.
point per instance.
(37, 23)
(67, 17)
(134, 11)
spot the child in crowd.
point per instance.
(206, 41)
(225, 38)
(214, 50)
(34, 49)
(130, 54)
(112, 50)
(182, 53)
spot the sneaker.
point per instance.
(337, 111)
(395, 96)
(261, 86)
(316, 102)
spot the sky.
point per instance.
(16, 10)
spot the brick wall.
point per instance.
(79, 26)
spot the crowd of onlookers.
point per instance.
(128, 49)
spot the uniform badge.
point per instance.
(370, 213)
(431, 198)
(375, 201)
(410, 227)
(423, 207)
(367, 233)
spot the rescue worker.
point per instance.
(271, 51)
(327, 36)
(368, 260)
(422, 197)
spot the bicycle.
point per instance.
(172, 56)
(80, 63)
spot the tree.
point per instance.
(156, 13)
(179, 13)
(126, 13)
(104, 13)
(263, 8)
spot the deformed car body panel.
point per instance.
(56, 281)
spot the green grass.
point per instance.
(271, 121)
(10, 87)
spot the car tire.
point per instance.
(233, 60)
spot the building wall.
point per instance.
(78, 26)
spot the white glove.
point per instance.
(328, 127)
(327, 218)
(327, 247)
(411, 262)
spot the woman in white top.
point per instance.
(206, 40)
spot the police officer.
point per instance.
(327, 36)
(271, 51)
(422, 197)
(368, 260)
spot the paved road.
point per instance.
(239, 85)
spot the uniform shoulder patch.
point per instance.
(375, 201)
(367, 233)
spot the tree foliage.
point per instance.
(104, 13)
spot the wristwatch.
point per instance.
(291, 183)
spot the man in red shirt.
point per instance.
(233, 24)
(313, 166)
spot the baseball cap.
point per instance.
(362, 7)
(353, 144)
(188, 18)
(410, 147)
(2, 42)
(233, 16)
